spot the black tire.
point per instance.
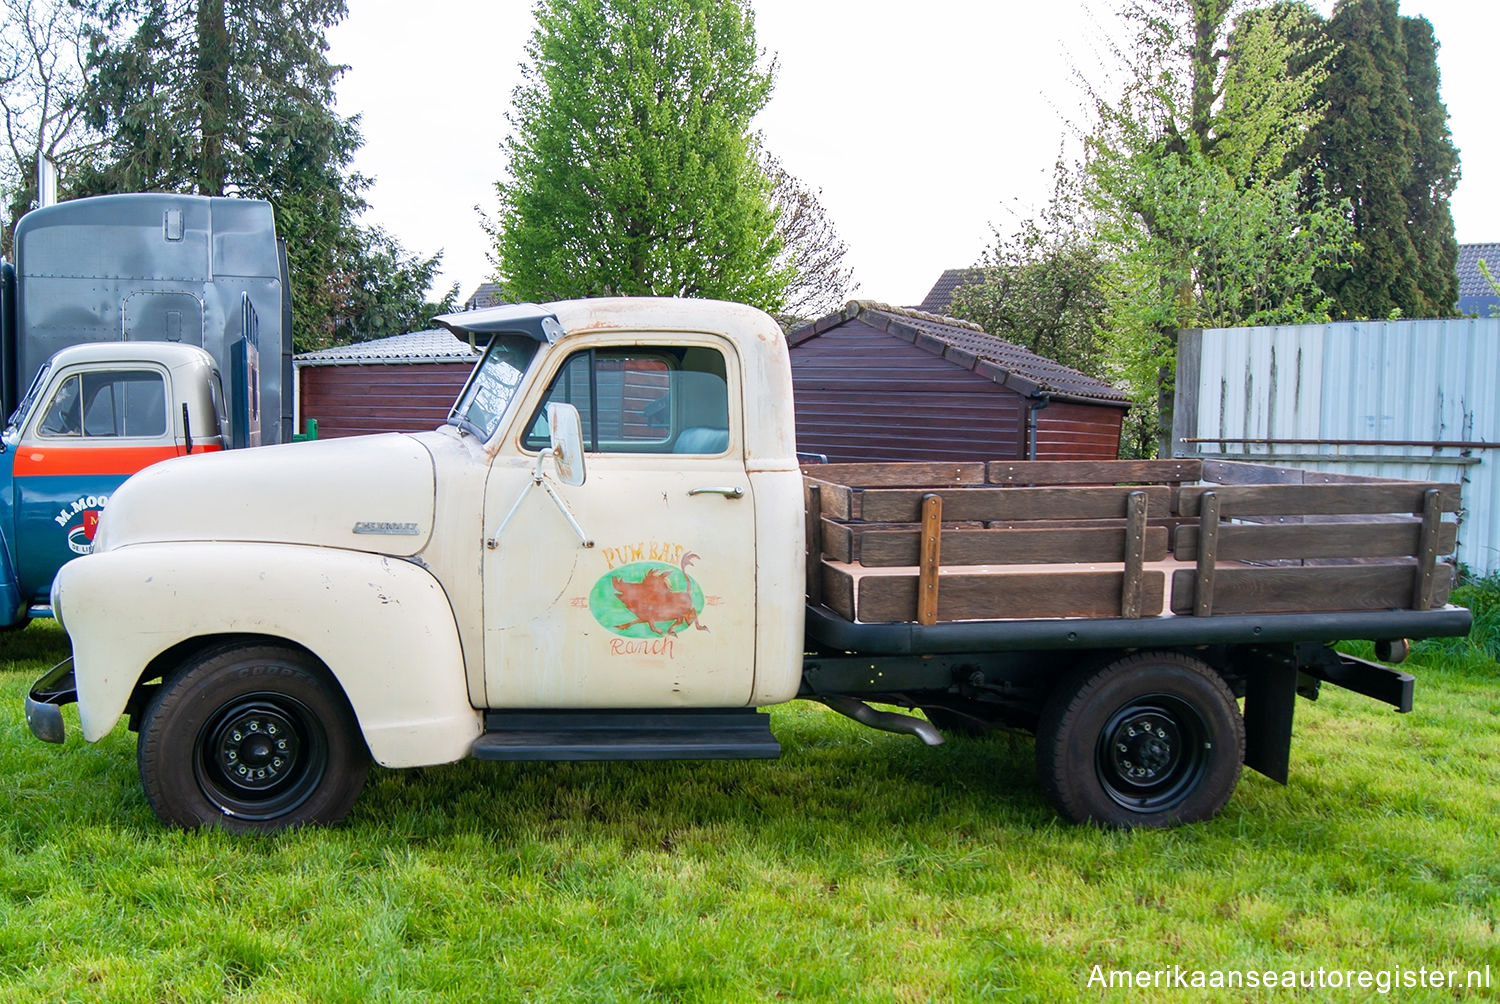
(252, 738)
(1152, 739)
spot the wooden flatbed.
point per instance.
(1133, 540)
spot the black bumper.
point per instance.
(44, 702)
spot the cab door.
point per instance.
(93, 428)
(659, 609)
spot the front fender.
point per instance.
(13, 606)
(383, 626)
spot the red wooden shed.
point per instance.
(874, 382)
(404, 383)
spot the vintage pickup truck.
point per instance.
(611, 551)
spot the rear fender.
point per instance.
(382, 626)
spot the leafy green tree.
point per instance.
(386, 293)
(1188, 182)
(632, 168)
(1383, 148)
(235, 97)
(1044, 287)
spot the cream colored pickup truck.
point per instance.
(610, 551)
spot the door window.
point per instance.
(642, 399)
(119, 404)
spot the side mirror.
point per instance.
(567, 443)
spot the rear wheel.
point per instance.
(1152, 739)
(251, 738)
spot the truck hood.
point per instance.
(369, 493)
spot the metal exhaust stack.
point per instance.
(886, 721)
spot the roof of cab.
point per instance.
(169, 354)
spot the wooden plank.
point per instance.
(1230, 472)
(846, 541)
(898, 505)
(1306, 589)
(988, 596)
(812, 514)
(838, 590)
(1102, 472)
(1427, 552)
(884, 548)
(1323, 500)
(838, 500)
(1208, 555)
(838, 539)
(1233, 472)
(1135, 551)
(899, 475)
(1268, 541)
(927, 569)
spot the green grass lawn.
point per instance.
(860, 866)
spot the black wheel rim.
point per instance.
(260, 756)
(1152, 753)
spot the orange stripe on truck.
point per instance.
(43, 461)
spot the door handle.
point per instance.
(729, 493)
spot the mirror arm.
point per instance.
(538, 478)
(562, 506)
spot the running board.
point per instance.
(688, 734)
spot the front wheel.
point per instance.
(251, 738)
(1152, 739)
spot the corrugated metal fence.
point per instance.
(1404, 399)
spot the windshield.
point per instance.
(24, 407)
(493, 384)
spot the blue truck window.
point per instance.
(118, 404)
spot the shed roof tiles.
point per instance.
(414, 347)
(969, 347)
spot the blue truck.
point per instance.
(133, 328)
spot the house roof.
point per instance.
(940, 297)
(415, 347)
(1475, 297)
(967, 345)
(1470, 281)
(489, 294)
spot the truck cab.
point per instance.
(92, 417)
(666, 578)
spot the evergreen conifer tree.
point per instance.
(1383, 148)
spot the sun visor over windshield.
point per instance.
(478, 327)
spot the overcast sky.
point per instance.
(924, 125)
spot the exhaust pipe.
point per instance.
(886, 721)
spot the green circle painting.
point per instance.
(647, 599)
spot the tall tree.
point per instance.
(42, 58)
(812, 253)
(1187, 177)
(1384, 148)
(632, 168)
(235, 97)
(1044, 286)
